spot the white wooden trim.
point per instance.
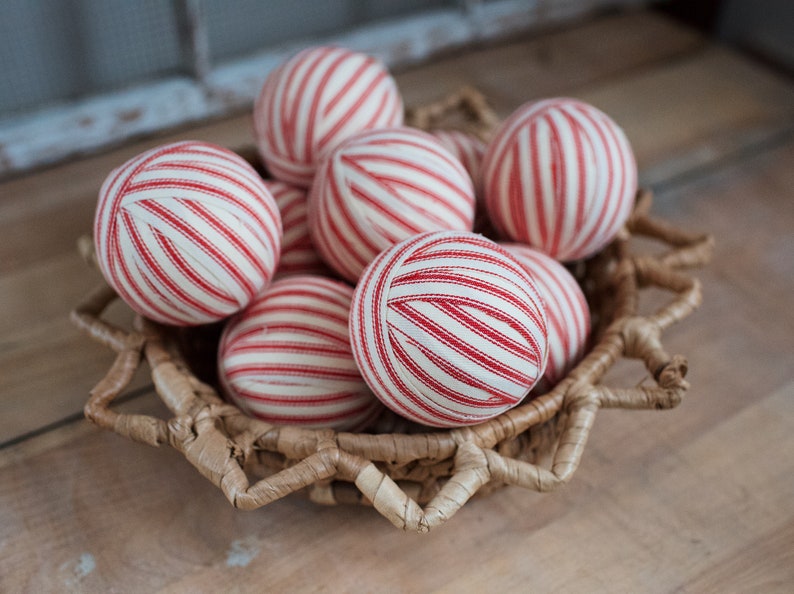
(58, 132)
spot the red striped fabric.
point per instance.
(316, 99)
(286, 359)
(448, 329)
(469, 150)
(567, 313)
(560, 176)
(186, 233)
(380, 187)
(298, 255)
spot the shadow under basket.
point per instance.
(417, 478)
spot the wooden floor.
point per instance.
(698, 499)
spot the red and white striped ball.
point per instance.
(286, 359)
(315, 100)
(567, 313)
(560, 176)
(448, 329)
(380, 187)
(468, 149)
(186, 233)
(298, 255)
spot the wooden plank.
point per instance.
(672, 501)
(768, 569)
(42, 277)
(695, 112)
(553, 64)
(47, 368)
(678, 519)
(684, 509)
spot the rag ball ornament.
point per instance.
(286, 359)
(186, 233)
(560, 176)
(380, 187)
(298, 255)
(469, 150)
(448, 329)
(567, 313)
(316, 99)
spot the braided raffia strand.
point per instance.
(417, 480)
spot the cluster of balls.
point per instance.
(356, 274)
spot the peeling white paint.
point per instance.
(241, 553)
(77, 571)
(85, 565)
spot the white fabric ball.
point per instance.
(380, 187)
(286, 359)
(560, 176)
(448, 329)
(298, 254)
(316, 99)
(186, 233)
(567, 312)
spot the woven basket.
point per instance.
(415, 477)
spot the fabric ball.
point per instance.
(567, 314)
(448, 329)
(560, 176)
(380, 187)
(315, 100)
(186, 233)
(298, 255)
(286, 359)
(469, 150)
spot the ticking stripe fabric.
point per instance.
(287, 360)
(298, 255)
(559, 175)
(186, 233)
(316, 99)
(567, 313)
(467, 148)
(380, 187)
(448, 329)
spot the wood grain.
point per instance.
(554, 64)
(693, 112)
(697, 499)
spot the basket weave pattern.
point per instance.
(417, 478)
